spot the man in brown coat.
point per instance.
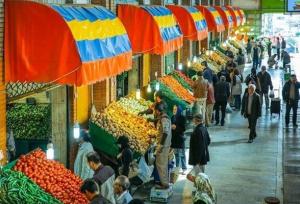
(200, 88)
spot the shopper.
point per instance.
(10, 144)
(229, 53)
(251, 109)
(283, 44)
(278, 46)
(241, 61)
(207, 72)
(236, 89)
(178, 139)
(125, 156)
(81, 167)
(165, 137)
(262, 53)
(210, 102)
(231, 65)
(286, 59)
(265, 82)
(200, 87)
(222, 94)
(269, 47)
(256, 53)
(103, 175)
(121, 189)
(253, 79)
(224, 72)
(92, 192)
(249, 51)
(290, 94)
(199, 142)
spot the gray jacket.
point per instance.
(165, 130)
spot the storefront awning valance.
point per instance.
(235, 15)
(226, 16)
(213, 18)
(191, 21)
(242, 15)
(151, 29)
(63, 44)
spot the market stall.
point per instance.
(237, 21)
(227, 20)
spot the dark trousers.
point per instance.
(222, 105)
(278, 53)
(255, 62)
(237, 101)
(289, 106)
(252, 126)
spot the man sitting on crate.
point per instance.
(290, 94)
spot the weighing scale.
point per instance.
(161, 195)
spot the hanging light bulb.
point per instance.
(157, 86)
(50, 151)
(194, 59)
(76, 130)
(189, 64)
(215, 48)
(138, 94)
(207, 52)
(180, 66)
(149, 90)
(224, 44)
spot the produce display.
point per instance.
(52, 177)
(219, 59)
(133, 105)
(182, 79)
(236, 44)
(118, 120)
(197, 66)
(16, 188)
(212, 64)
(231, 47)
(178, 89)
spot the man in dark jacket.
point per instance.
(224, 72)
(290, 94)
(207, 72)
(92, 192)
(125, 156)
(199, 142)
(286, 59)
(222, 93)
(265, 82)
(251, 109)
(229, 53)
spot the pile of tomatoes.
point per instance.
(51, 176)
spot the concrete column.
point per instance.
(157, 64)
(186, 51)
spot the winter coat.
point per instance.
(286, 91)
(226, 74)
(265, 82)
(258, 53)
(222, 91)
(237, 85)
(178, 133)
(125, 161)
(208, 74)
(256, 106)
(200, 88)
(81, 167)
(199, 143)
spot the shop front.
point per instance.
(72, 56)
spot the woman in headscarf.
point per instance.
(205, 193)
(81, 167)
(178, 128)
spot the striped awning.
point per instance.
(242, 15)
(191, 22)
(237, 21)
(226, 16)
(64, 44)
(213, 18)
(151, 29)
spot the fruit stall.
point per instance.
(35, 179)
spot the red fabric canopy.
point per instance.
(47, 44)
(151, 29)
(191, 22)
(235, 15)
(226, 16)
(213, 18)
(242, 15)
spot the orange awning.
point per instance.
(226, 16)
(63, 44)
(235, 15)
(213, 18)
(151, 29)
(242, 15)
(191, 22)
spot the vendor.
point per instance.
(125, 156)
(81, 167)
(92, 192)
(165, 136)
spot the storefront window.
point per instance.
(170, 62)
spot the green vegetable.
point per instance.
(16, 188)
(181, 81)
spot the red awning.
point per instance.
(226, 16)
(63, 44)
(242, 15)
(213, 18)
(235, 15)
(191, 22)
(151, 29)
